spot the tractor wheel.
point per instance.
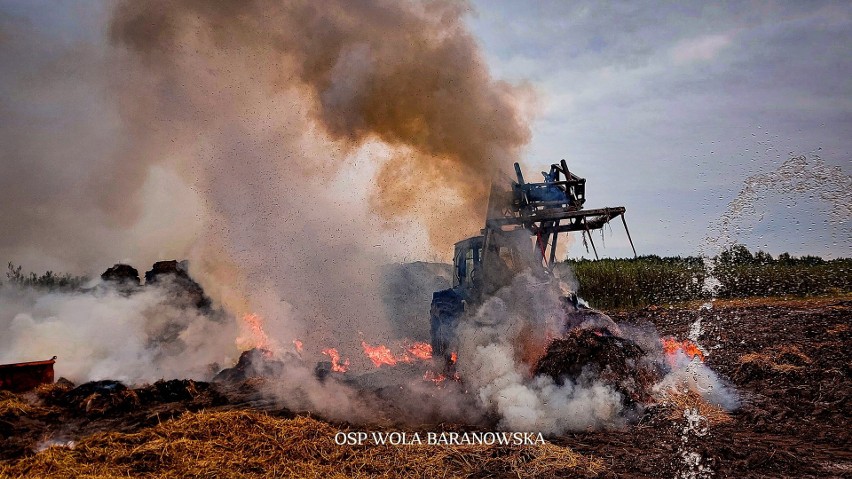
(447, 309)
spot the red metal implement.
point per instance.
(20, 377)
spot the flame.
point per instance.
(379, 355)
(258, 339)
(453, 357)
(421, 351)
(382, 355)
(435, 378)
(298, 344)
(439, 378)
(671, 346)
(336, 365)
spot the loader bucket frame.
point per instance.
(549, 208)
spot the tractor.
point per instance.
(521, 231)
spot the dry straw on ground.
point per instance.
(780, 359)
(13, 406)
(251, 444)
(681, 401)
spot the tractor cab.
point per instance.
(484, 264)
(466, 262)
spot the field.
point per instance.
(735, 273)
(789, 361)
(787, 358)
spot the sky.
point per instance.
(666, 108)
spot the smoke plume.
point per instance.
(405, 74)
(265, 104)
(286, 148)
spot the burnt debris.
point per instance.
(254, 363)
(175, 274)
(172, 275)
(110, 398)
(122, 274)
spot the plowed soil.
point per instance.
(790, 362)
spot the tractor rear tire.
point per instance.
(447, 309)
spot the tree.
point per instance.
(736, 255)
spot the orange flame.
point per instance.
(671, 346)
(382, 355)
(435, 378)
(453, 357)
(255, 324)
(336, 365)
(298, 344)
(379, 355)
(422, 351)
(439, 378)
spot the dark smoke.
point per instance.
(407, 74)
(288, 149)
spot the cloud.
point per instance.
(704, 48)
(701, 94)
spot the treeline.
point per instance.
(736, 273)
(49, 280)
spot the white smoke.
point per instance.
(497, 350)
(104, 334)
(692, 374)
(500, 343)
(537, 403)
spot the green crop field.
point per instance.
(738, 273)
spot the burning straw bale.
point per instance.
(174, 390)
(256, 363)
(175, 275)
(113, 399)
(612, 360)
(252, 444)
(122, 275)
